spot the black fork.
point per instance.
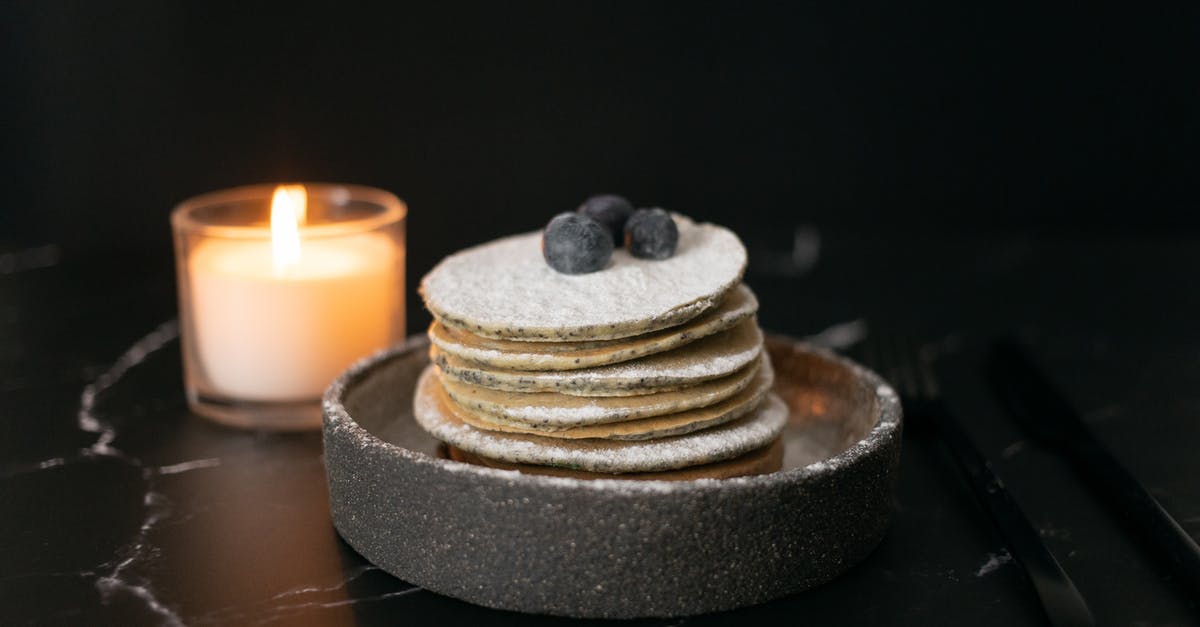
(911, 372)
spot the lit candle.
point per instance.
(273, 318)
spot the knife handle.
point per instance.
(1064, 605)
(1138, 507)
(1036, 403)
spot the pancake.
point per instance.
(662, 426)
(755, 430)
(758, 462)
(710, 358)
(551, 410)
(505, 289)
(739, 305)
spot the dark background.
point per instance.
(965, 171)
(488, 118)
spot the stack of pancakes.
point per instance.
(646, 369)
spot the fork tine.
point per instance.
(906, 376)
(929, 382)
(882, 358)
(871, 353)
(895, 358)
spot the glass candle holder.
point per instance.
(280, 289)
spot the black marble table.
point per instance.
(118, 506)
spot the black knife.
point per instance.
(1043, 412)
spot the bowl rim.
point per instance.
(888, 422)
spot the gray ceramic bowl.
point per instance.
(614, 548)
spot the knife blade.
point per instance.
(1045, 413)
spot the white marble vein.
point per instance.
(156, 505)
(157, 508)
(14, 470)
(281, 612)
(119, 577)
(994, 562)
(134, 355)
(86, 418)
(48, 574)
(195, 464)
(109, 585)
(1014, 449)
(290, 602)
(347, 577)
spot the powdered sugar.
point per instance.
(549, 410)
(700, 447)
(505, 289)
(710, 358)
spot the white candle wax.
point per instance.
(266, 334)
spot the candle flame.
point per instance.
(289, 211)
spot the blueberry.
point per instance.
(576, 244)
(651, 234)
(611, 211)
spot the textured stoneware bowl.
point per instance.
(614, 548)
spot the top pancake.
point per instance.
(505, 290)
